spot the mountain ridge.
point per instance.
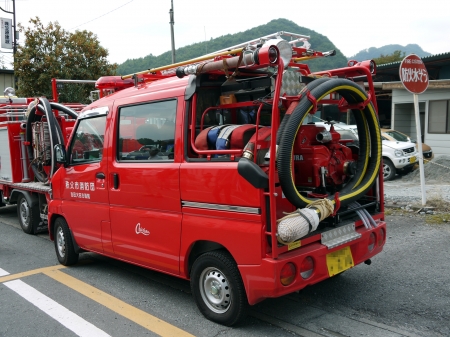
(373, 52)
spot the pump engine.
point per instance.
(321, 162)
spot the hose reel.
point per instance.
(369, 159)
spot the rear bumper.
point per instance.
(263, 281)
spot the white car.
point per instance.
(398, 157)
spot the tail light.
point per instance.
(307, 267)
(372, 240)
(381, 237)
(287, 274)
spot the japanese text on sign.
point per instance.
(7, 33)
(413, 74)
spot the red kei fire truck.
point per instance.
(208, 170)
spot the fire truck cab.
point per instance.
(187, 170)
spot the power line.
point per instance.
(102, 15)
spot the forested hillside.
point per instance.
(372, 53)
(318, 42)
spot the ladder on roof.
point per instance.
(169, 70)
(294, 39)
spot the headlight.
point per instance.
(398, 153)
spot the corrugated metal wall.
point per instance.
(6, 80)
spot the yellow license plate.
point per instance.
(412, 159)
(339, 261)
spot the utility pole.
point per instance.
(15, 31)
(14, 41)
(172, 22)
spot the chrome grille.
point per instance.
(409, 150)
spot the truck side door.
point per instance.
(145, 196)
(85, 202)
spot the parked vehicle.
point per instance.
(186, 169)
(394, 135)
(398, 157)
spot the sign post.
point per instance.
(414, 77)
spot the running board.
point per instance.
(339, 236)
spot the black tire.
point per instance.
(388, 169)
(218, 289)
(406, 170)
(29, 217)
(63, 243)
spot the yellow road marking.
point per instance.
(136, 315)
(28, 273)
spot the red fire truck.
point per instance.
(209, 170)
(29, 127)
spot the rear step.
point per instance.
(339, 236)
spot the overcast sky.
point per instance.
(136, 28)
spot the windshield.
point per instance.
(397, 136)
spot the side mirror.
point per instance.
(60, 154)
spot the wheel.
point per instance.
(218, 289)
(29, 217)
(388, 170)
(63, 243)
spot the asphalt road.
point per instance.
(404, 292)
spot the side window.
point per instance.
(147, 131)
(87, 144)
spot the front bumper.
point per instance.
(405, 161)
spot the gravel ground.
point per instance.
(407, 188)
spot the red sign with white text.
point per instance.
(413, 74)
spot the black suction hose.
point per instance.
(65, 109)
(310, 86)
(55, 133)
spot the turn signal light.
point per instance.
(287, 274)
(307, 267)
(381, 237)
(372, 240)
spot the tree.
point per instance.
(397, 55)
(52, 52)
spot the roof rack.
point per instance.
(170, 70)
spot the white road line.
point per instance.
(64, 316)
(3, 272)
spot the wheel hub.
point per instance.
(25, 212)
(215, 290)
(386, 170)
(60, 242)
